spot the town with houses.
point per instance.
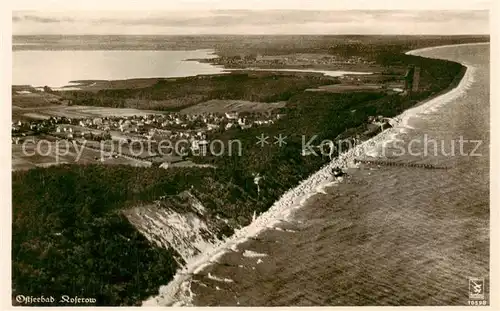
(127, 131)
(296, 59)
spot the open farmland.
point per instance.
(35, 154)
(26, 98)
(343, 88)
(222, 106)
(78, 112)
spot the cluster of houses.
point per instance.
(173, 126)
(21, 128)
(313, 59)
(181, 124)
(292, 59)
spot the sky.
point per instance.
(256, 17)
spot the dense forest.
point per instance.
(69, 236)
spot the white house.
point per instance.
(232, 115)
(212, 126)
(203, 144)
(244, 127)
(195, 145)
(199, 145)
(97, 121)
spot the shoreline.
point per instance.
(417, 51)
(326, 73)
(177, 291)
(79, 84)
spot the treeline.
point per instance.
(435, 74)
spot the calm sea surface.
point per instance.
(58, 68)
(389, 236)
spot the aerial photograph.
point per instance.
(251, 157)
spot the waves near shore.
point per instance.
(178, 291)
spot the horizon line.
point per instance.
(258, 34)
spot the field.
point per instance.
(344, 88)
(35, 99)
(76, 112)
(35, 154)
(222, 106)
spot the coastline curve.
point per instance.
(177, 292)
